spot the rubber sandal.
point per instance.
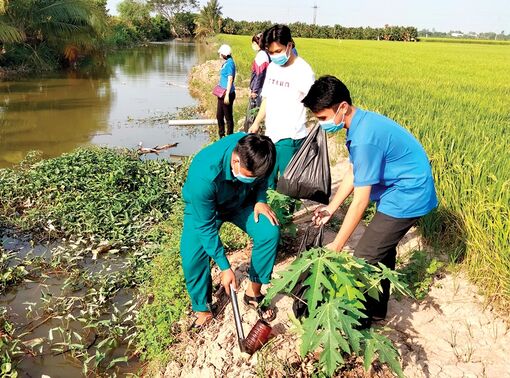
(198, 327)
(261, 310)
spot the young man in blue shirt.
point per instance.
(388, 166)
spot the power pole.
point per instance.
(315, 7)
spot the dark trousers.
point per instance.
(379, 245)
(225, 112)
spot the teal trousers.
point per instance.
(196, 262)
(285, 150)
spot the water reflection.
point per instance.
(57, 113)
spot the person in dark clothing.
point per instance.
(258, 68)
(224, 110)
(258, 74)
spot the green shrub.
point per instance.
(97, 193)
(284, 207)
(232, 237)
(420, 271)
(122, 35)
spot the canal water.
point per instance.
(120, 100)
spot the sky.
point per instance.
(441, 15)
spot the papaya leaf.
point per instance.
(369, 354)
(347, 319)
(288, 278)
(381, 345)
(373, 291)
(396, 284)
(317, 281)
(321, 330)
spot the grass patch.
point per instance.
(420, 271)
(167, 286)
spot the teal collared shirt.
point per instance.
(211, 193)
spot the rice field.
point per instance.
(455, 98)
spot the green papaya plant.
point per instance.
(338, 285)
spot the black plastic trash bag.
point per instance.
(299, 306)
(308, 174)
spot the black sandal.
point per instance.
(261, 310)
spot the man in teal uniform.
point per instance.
(227, 182)
(388, 166)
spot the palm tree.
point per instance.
(209, 19)
(8, 33)
(65, 27)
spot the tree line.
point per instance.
(426, 33)
(51, 34)
(303, 30)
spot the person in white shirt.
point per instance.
(288, 79)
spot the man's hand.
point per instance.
(253, 95)
(228, 277)
(322, 215)
(264, 209)
(334, 247)
(226, 100)
(254, 128)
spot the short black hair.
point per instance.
(277, 33)
(257, 154)
(326, 92)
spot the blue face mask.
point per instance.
(330, 126)
(280, 59)
(244, 179)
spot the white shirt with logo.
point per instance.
(284, 88)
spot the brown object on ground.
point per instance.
(258, 336)
(154, 150)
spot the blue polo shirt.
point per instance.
(391, 160)
(227, 69)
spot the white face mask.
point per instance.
(244, 179)
(282, 58)
(330, 126)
